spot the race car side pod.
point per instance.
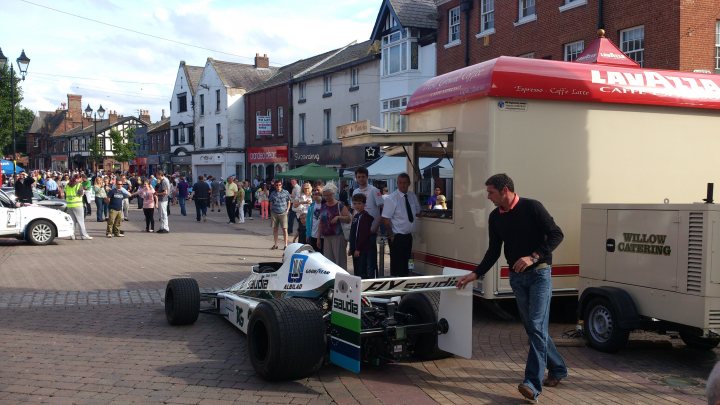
(454, 314)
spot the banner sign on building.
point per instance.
(264, 125)
(268, 154)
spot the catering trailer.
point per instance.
(568, 133)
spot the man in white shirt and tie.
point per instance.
(399, 215)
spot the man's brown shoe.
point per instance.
(551, 381)
(527, 392)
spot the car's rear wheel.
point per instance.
(182, 301)
(286, 339)
(40, 232)
(424, 309)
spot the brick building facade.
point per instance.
(668, 34)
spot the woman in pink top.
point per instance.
(147, 193)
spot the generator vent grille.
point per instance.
(695, 252)
(714, 318)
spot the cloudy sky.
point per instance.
(116, 52)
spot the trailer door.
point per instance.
(641, 248)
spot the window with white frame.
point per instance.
(36, 142)
(354, 77)
(573, 50)
(182, 135)
(327, 84)
(487, 15)
(301, 127)
(454, 25)
(392, 120)
(327, 124)
(355, 112)
(717, 45)
(570, 4)
(399, 52)
(280, 118)
(390, 22)
(218, 134)
(301, 91)
(529, 55)
(526, 10)
(632, 43)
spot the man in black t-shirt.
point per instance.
(529, 235)
(24, 188)
(201, 195)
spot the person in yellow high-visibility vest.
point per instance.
(74, 198)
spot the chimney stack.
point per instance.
(262, 61)
(145, 116)
(74, 113)
(112, 116)
(163, 115)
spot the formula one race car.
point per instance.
(306, 310)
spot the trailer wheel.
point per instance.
(286, 339)
(693, 341)
(182, 301)
(40, 232)
(601, 326)
(424, 309)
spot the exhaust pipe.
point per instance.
(709, 198)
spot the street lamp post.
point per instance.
(23, 62)
(89, 114)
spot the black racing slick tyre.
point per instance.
(40, 232)
(182, 301)
(696, 342)
(286, 339)
(601, 327)
(423, 307)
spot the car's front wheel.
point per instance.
(182, 301)
(40, 232)
(286, 339)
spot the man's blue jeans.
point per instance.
(533, 290)
(182, 202)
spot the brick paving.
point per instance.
(83, 322)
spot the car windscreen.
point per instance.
(5, 200)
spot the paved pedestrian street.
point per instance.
(83, 322)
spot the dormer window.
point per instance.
(399, 52)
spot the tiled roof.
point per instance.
(416, 13)
(286, 73)
(240, 75)
(47, 122)
(346, 56)
(193, 74)
(162, 125)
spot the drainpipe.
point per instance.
(466, 6)
(601, 12)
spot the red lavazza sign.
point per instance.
(508, 76)
(268, 154)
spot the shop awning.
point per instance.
(395, 138)
(388, 167)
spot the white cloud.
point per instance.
(60, 45)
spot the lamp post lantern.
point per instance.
(23, 62)
(89, 114)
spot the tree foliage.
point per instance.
(23, 116)
(95, 150)
(124, 148)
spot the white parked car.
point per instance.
(36, 224)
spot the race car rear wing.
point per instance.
(455, 309)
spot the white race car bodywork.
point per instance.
(308, 274)
(18, 221)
